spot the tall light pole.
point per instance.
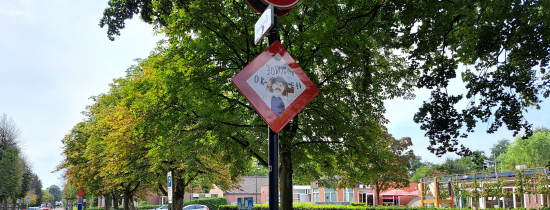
(256, 175)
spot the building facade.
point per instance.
(360, 193)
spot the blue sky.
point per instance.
(54, 57)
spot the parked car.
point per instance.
(46, 206)
(59, 203)
(163, 207)
(195, 207)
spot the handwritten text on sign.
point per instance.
(276, 84)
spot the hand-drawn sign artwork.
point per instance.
(275, 86)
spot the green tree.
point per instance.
(209, 41)
(497, 150)
(533, 151)
(25, 182)
(36, 187)
(56, 192)
(255, 169)
(395, 173)
(501, 45)
(417, 163)
(14, 167)
(30, 194)
(69, 193)
(46, 197)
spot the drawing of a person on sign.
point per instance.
(278, 88)
(276, 85)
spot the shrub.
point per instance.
(147, 206)
(357, 204)
(212, 203)
(144, 203)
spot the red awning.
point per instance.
(397, 192)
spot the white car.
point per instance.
(195, 207)
(163, 207)
(59, 203)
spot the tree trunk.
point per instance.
(376, 200)
(13, 204)
(131, 203)
(285, 158)
(179, 192)
(285, 176)
(115, 200)
(107, 201)
(127, 194)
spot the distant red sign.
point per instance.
(281, 4)
(282, 7)
(79, 193)
(276, 86)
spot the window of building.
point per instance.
(266, 198)
(330, 195)
(297, 195)
(390, 200)
(315, 194)
(348, 195)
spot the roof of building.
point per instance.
(250, 185)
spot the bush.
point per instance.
(212, 203)
(357, 204)
(144, 203)
(308, 206)
(147, 206)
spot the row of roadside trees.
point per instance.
(17, 181)
(15, 169)
(148, 125)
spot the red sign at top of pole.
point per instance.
(275, 86)
(282, 7)
(281, 4)
(79, 193)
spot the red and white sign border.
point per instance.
(277, 3)
(274, 122)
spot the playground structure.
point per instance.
(520, 188)
(435, 190)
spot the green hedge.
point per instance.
(148, 206)
(308, 206)
(212, 203)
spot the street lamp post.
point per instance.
(256, 175)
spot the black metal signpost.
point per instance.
(273, 153)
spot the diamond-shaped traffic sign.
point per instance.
(276, 86)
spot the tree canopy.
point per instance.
(505, 48)
(533, 151)
(358, 53)
(15, 169)
(56, 192)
